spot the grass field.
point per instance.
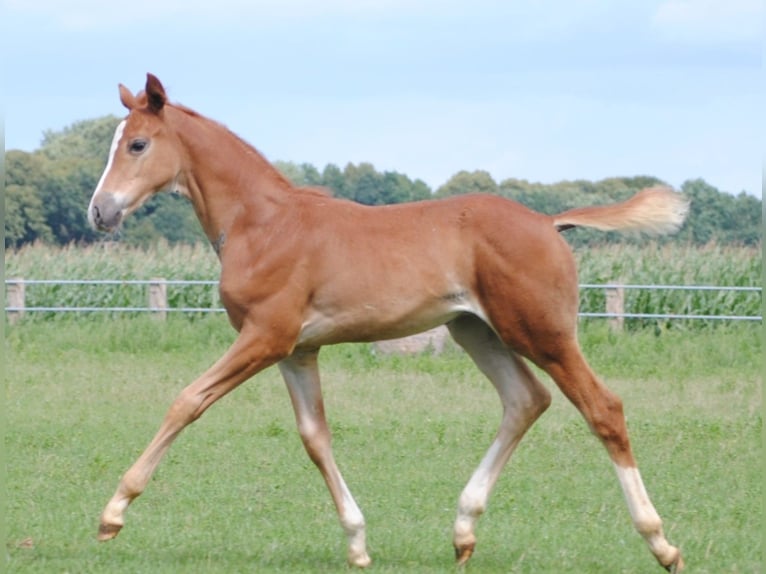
(236, 493)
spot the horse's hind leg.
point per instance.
(603, 412)
(524, 399)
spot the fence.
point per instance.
(155, 299)
(615, 302)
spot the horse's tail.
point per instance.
(655, 210)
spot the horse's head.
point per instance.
(145, 158)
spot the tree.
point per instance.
(166, 216)
(301, 175)
(332, 178)
(478, 181)
(361, 183)
(25, 214)
(398, 188)
(24, 217)
(720, 217)
(47, 193)
(291, 171)
(311, 175)
(83, 139)
(66, 191)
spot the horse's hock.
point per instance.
(431, 340)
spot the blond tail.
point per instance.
(654, 210)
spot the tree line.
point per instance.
(47, 191)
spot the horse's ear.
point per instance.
(155, 93)
(127, 98)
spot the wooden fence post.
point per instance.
(615, 303)
(16, 299)
(158, 298)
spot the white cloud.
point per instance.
(710, 21)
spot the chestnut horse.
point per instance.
(301, 269)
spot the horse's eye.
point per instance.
(137, 146)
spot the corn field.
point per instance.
(650, 264)
(674, 265)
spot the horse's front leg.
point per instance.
(249, 354)
(301, 374)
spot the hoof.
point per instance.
(360, 561)
(108, 531)
(677, 565)
(464, 553)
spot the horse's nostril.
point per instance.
(105, 213)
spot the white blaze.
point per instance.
(112, 151)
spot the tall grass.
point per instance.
(118, 262)
(674, 264)
(670, 264)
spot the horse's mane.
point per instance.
(269, 169)
(190, 112)
(316, 190)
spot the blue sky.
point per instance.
(544, 91)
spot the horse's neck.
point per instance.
(226, 179)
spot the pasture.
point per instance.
(237, 493)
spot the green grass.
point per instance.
(236, 493)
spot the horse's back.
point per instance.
(380, 272)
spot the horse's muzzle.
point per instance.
(105, 213)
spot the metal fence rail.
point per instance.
(620, 287)
(157, 299)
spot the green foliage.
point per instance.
(478, 181)
(720, 217)
(65, 194)
(673, 264)
(47, 193)
(165, 218)
(361, 183)
(115, 261)
(25, 214)
(83, 139)
(304, 174)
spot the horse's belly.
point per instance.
(380, 320)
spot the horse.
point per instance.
(301, 269)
